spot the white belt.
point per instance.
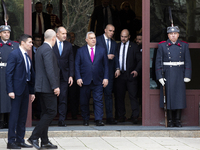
(173, 63)
(3, 64)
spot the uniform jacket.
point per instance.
(5, 49)
(66, 60)
(47, 70)
(88, 71)
(114, 63)
(16, 74)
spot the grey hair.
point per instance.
(90, 32)
(49, 34)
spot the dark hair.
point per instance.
(38, 3)
(68, 36)
(24, 38)
(36, 36)
(139, 34)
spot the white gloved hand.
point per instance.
(187, 80)
(162, 81)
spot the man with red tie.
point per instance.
(91, 73)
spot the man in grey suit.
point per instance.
(47, 84)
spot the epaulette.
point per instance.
(184, 42)
(162, 42)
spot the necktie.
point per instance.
(123, 57)
(92, 55)
(107, 45)
(28, 77)
(106, 16)
(39, 24)
(60, 48)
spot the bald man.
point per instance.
(47, 85)
(130, 66)
(65, 58)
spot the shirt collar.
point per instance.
(22, 50)
(48, 44)
(105, 37)
(90, 47)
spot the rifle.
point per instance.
(164, 96)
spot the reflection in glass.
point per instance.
(15, 11)
(185, 14)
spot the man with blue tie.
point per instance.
(64, 54)
(110, 45)
(20, 80)
(91, 73)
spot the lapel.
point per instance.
(111, 47)
(128, 53)
(21, 56)
(103, 41)
(56, 49)
(87, 53)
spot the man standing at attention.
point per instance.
(110, 45)
(65, 58)
(47, 83)
(130, 66)
(6, 46)
(20, 80)
(91, 73)
(173, 69)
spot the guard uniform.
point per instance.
(179, 56)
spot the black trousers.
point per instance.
(122, 84)
(49, 111)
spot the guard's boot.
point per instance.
(178, 118)
(1, 121)
(170, 121)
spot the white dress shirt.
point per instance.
(109, 43)
(89, 49)
(121, 54)
(23, 53)
(58, 43)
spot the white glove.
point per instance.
(162, 81)
(187, 80)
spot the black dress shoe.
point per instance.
(111, 121)
(170, 123)
(24, 145)
(99, 123)
(35, 143)
(86, 122)
(49, 145)
(62, 124)
(178, 123)
(12, 146)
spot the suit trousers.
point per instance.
(18, 116)
(49, 111)
(108, 99)
(121, 85)
(62, 105)
(85, 94)
(74, 98)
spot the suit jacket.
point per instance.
(46, 18)
(88, 71)
(16, 74)
(98, 16)
(47, 70)
(114, 63)
(133, 60)
(66, 60)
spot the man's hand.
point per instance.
(111, 56)
(135, 74)
(117, 73)
(105, 82)
(57, 91)
(70, 82)
(80, 82)
(11, 95)
(32, 97)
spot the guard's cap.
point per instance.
(49, 5)
(5, 28)
(173, 29)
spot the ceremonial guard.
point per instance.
(6, 46)
(173, 69)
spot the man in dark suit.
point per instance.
(40, 21)
(47, 84)
(91, 71)
(110, 45)
(102, 16)
(130, 66)
(65, 58)
(20, 79)
(74, 90)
